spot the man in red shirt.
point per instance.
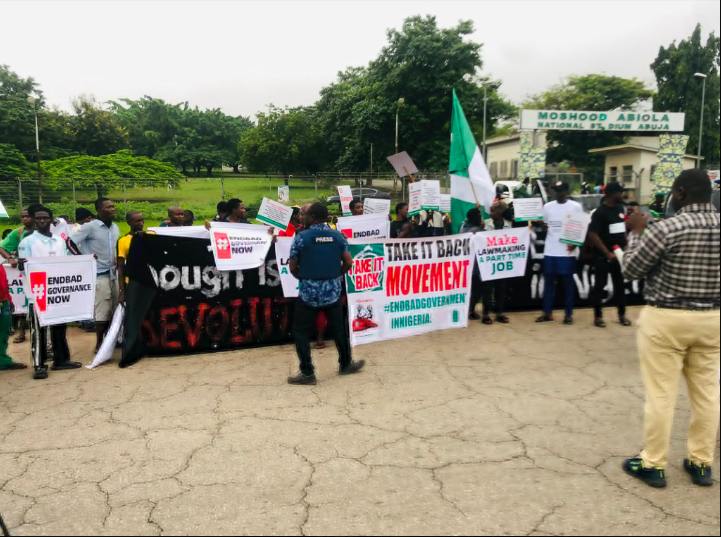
(6, 322)
(293, 225)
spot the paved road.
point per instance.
(515, 429)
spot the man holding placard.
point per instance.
(607, 232)
(558, 258)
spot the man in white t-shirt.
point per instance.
(558, 258)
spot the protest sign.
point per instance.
(346, 196)
(3, 212)
(61, 288)
(275, 214)
(502, 253)
(542, 190)
(105, 353)
(239, 246)
(445, 203)
(290, 283)
(430, 195)
(575, 228)
(415, 198)
(284, 194)
(528, 209)
(16, 285)
(402, 164)
(400, 288)
(366, 226)
(376, 206)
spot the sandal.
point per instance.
(19, 339)
(67, 365)
(502, 319)
(487, 320)
(625, 322)
(545, 319)
(599, 323)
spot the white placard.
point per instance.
(542, 190)
(105, 353)
(431, 195)
(16, 285)
(239, 246)
(445, 203)
(502, 253)
(415, 198)
(602, 121)
(290, 284)
(284, 194)
(528, 209)
(61, 288)
(366, 226)
(402, 164)
(346, 196)
(275, 214)
(575, 228)
(376, 206)
(3, 212)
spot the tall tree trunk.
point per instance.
(236, 168)
(209, 170)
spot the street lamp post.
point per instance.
(485, 101)
(398, 108)
(31, 100)
(700, 126)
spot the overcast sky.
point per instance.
(242, 55)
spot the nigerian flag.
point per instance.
(470, 180)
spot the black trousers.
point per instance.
(602, 268)
(476, 290)
(303, 325)
(39, 342)
(493, 289)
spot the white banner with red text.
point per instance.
(61, 288)
(239, 246)
(365, 226)
(16, 286)
(502, 253)
(404, 287)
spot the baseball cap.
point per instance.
(561, 186)
(614, 188)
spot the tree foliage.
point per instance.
(588, 92)
(680, 91)
(96, 131)
(13, 163)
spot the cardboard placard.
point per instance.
(575, 228)
(275, 214)
(445, 203)
(284, 194)
(528, 209)
(415, 199)
(376, 206)
(430, 195)
(346, 196)
(402, 164)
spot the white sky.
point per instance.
(242, 55)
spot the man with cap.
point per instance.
(606, 233)
(319, 257)
(559, 259)
(658, 204)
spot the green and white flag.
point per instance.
(470, 180)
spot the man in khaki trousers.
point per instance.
(679, 329)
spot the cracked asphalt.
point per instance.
(516, 430)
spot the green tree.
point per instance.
(284, 140)
(588, 92)
(422, 64)
(96, 131)
(13, 163)
(17, 120)
(680, 91)
(151, 123)
(107, 171)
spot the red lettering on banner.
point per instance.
(448, 273)
(253, 309)
(149, 329)
(235, 335)
(394, 279)
(216, 328)
(417, 271)
(456, 274)
(406, 280)
(166, 327)
(268, 318)
(436, 277)
(192, 333)
(424, 279)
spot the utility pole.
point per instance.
(31, 100)
(485, 101)
(371, 158)
(700, 126)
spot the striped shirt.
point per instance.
(679, 257)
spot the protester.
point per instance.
(188, 217)
(318, 258)
(6, 323)
(558, 258)
(400, 221)
(99, 238)
(136, 221)
(6, 232)
(236, 212)
(435, 223)
(356, 207)
(473, 224)
(222, 209)
(597, 189)
(495, 291)
(585, 188)
(659, 204)
(82, 216)
(43, 243)
(292, 225)
(414, 228)
(176, 217)
(606, 232)
(633, 207)
(9, 250)
(679, 328)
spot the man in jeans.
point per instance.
(679, 329)
(99, 238)
(319, 257)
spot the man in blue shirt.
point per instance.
(319, 257)
(99, 238)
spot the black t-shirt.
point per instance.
(397, 227)
(610, 224)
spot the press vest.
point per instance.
(320, 258)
